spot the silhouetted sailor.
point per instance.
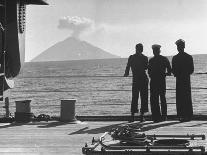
(158, 65)
(138, 64)
(182, 68)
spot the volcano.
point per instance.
(73, 49)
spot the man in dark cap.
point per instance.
(182, 68)
(138, 64)
(159, 67)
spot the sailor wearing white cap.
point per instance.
(182, 68)
(158, 65)
(156, 46)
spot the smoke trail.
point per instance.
(76, 24)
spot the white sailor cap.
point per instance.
(156, 46)
(180, 42)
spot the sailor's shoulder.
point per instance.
(130, 56)
(144, 57)
(164, 58)
(175, 56)
(188, 55)
(151, 59)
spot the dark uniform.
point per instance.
(182, 68)
(157, 73)
(138, 64)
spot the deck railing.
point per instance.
(48, 100)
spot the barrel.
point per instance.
(67, 112)
(23, 111)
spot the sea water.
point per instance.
(98, 86)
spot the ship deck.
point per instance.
(55, 137)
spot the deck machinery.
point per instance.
(130, 141)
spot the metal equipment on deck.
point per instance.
(130, 142)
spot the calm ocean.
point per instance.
(98, 86)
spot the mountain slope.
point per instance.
(72, 49)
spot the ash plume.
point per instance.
(77, 25)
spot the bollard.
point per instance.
(67, 113)
(23, 111)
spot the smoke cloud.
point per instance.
(77, 25)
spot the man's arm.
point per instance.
(169, 69)
(174, 67)
(191, 65)
(146, 63)
(149, 68)
(128, 67)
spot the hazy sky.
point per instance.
(117, 25)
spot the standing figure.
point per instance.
(158, 65)
(138, 64)
(182, 68)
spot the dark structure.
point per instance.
(182, 68)
(158, 65)
(12, 38)
(138, 64)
